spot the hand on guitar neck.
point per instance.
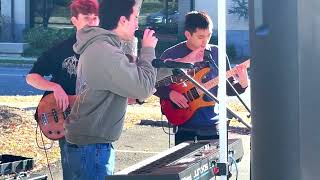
(241, 74)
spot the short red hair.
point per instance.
(84, 7)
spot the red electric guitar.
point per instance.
(51, 117)
(178, 116)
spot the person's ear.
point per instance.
(73, 20)
(187, 34)
(122, 20)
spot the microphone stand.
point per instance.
(239, 98)
(210, 95)
(210, 59)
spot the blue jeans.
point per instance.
(93, 161)
(65, 169)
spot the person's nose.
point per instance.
(92, 20)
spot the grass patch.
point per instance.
(18, 127)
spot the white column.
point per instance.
(15, 19)
(21, 17)
(6, 9)
(6, 20)
(223, 141)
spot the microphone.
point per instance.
(139, 33)
(158, 63)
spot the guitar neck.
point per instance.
(214, 82)
(169, 80)
(164, 82)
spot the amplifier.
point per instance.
(11, 164)
(186, 161)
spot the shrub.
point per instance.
(231, 50)
(62, 2)
(151, 7)
(41, 39)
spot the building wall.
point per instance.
(184, 6)
(17, 18)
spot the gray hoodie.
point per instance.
(104, 81)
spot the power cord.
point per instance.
(44, 145)
(44, 148)
(169, 132)
(233, 161)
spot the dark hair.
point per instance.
(84, 7)
(195, 19)
(111, 10)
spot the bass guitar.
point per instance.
(194, 95)
(51, 117)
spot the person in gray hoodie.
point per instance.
(105, 80)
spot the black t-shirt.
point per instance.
(61, 63)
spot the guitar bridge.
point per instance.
(66, 113)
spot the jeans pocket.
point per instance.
(75, 160)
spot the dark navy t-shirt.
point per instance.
(60, 62)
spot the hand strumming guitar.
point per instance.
(178, 99)
(39, 82)
(193, 57)
(61, 97)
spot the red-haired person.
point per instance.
(60, 62)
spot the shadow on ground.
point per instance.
(161, 123)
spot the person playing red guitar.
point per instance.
(61, 62)
(203, 123)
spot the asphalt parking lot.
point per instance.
(143, 141)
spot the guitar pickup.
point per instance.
(44, 119)
(55, 115)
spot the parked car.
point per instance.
(160, 17)
(158, 21)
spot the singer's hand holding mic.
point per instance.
(148, 39)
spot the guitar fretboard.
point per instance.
(214, 82)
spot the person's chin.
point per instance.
(130, 38)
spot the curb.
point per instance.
(9, 60)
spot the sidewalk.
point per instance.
(134, 146)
